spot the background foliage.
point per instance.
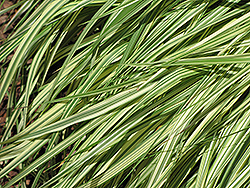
(127, 93)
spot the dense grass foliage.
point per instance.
(128, 93)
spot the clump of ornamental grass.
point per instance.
(127, 93)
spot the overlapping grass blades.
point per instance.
(136, 93)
